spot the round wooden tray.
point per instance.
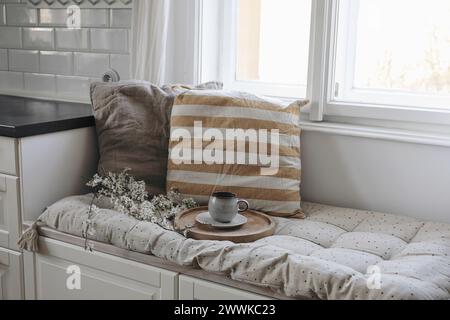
(258, 226)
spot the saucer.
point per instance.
(206, 219)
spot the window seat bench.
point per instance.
(177, 282)
(335, 253)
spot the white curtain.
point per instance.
(150, 40)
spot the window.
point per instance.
(394, 53)
(381, 62)
(260, 57)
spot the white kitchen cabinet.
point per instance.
(35, 172)
(101, 276)
(39, 170)
(195, 289)
(11, 280)
(10, 218)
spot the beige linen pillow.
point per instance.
(195, 165)
(133, 125)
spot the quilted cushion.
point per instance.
(335, 253)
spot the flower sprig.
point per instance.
(130, 197)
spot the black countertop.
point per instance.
(24, 117)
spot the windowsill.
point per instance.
(399, 131)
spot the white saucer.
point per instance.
(205, 218)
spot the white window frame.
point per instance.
(344, 80)
(322, 93)
(230, 8)
(321, 75)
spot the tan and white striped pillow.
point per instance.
(276, 191)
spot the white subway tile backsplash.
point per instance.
(11, 81)
(110, 40)
(56, 62)
(72, 39)
(40, 55)
(91, 64)
(94, 18)
(72, 87)
(40, 83)
(53, 17)
(10, 37)
(121, 18)
(3, 59)
(38, 38)
(20, 15)
(121, 63)
(24, 60)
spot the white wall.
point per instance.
(40, 56)
(394, 177)
(380, 175)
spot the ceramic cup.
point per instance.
(224, 206)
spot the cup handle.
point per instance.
(246, 205)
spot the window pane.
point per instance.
(273, 41)
(400, 46)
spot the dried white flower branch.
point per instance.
(129, 197)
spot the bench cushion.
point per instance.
(335, 253)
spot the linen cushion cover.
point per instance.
(335, 253)
(133, 125)
(277, 194)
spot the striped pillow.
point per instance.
(240, 143)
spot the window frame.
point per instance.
(325, 106)
(344, 80)
(322, 64)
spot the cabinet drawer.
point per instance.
(11, 283)
(195, 289)
(67, 272)
(8, 164)
(10, 226)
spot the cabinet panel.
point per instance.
(196, 289)
(55, 281)
(11, 284)
(8, 156)
(9, 212)
(63, 271)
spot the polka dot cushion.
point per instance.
(335, 253)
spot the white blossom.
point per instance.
(129, 197)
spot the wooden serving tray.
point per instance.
(258, 226)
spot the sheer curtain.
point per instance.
(150, 40)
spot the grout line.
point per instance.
(39, 61)
(54, 27)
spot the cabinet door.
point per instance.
(11, 284)
(8, 162)
(9, 212)
(195, 289)
(67, 272)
